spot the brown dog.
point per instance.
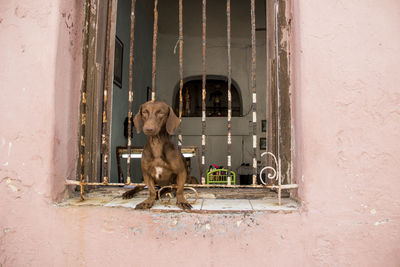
(162, 163)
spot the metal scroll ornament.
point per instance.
(169, 195)
(271, 173)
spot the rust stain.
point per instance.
(84, 97)
(130, 100)
(82, 141)
(83, 122)
(155, 32)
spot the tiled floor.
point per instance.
(203, 205)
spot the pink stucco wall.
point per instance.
(346, 110)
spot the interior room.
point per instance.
(167, 79)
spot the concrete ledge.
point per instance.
(205, 204)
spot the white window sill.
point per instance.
(205, 204)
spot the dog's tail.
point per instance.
(132, 192)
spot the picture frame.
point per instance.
(118, 61)
(263, 126)
(263, 143)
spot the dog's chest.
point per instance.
(159, 170)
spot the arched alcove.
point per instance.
(216, 97)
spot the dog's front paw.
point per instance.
(184, 205)
(145, 205)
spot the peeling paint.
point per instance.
(9, 148)
(311, 237)
(136, 230)
(382, 222)
(12, 187)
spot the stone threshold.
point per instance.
(210, 201)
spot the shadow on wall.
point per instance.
(68, 79)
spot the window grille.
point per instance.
(271, 172)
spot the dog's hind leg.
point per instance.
(132, 192)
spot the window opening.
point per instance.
(216, 100)
(228, 106)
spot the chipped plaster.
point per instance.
(346, 115)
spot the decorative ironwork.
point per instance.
(130, 99)
(154, 59)
(180, 40)
(107, 91)
(275, 172)
(229, 56)
(169, 195)
(254, 87)
(204, 92)
(271, 172)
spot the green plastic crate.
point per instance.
(220, 176)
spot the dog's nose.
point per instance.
(149, 129)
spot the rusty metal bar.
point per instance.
(267, 80)
(278, 93)
(180, 71)
(283, 187)
(169, 195)
(267, 76)
(271, 103)
(83, 105)
(253, 87)
(105, 136)
(154, 66)
(203, 95)
(277, 72)
(131, 60)
(228, 39)
(107, 93)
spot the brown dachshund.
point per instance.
(162, 163)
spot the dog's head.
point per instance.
(153, 116)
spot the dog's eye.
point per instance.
(160, 115)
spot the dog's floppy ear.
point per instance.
(172, 122)
(138, 121)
